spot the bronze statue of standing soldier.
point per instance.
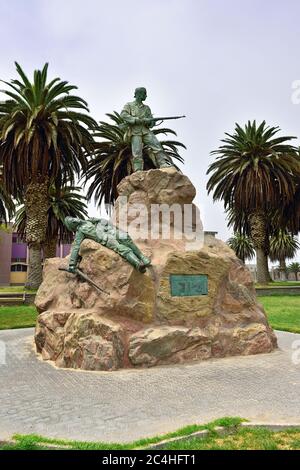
(138, 119)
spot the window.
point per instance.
(18, 268)
(16, 238)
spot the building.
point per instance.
(5, 254)
(14, 255)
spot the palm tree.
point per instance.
(7, 206)
(45, 135)
(294, 268)
(242, 246)
(254, 173)
(112, 158)
(63, 202)
(283, 246)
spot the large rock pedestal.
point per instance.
(140, 324)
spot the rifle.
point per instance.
(86, 279)
(165, 118)
(125, 125)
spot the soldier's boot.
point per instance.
(135, 262)
(146, 261)
(137, 164)
(162, 161)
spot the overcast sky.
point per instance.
(217, 61)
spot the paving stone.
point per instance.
(130, 404)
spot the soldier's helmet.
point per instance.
(72, 223)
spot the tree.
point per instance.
(112, 158)
(242, 246)
(65, 201)
(45, 134)
(294, 268)
(7, 206)
(283, 246)
(254, 173)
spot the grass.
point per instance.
(283, 312)
(17, 289)
(36, 442)
(243, 439)
(23, 316)
(234, 438)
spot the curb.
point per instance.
(270, 427)
(195, 435)
(161, 444)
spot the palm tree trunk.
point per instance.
(263, 276)
(36, 208)
(34, 277)
(259, 236)
(282, 269)
(50, 248)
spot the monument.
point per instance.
(147, 288)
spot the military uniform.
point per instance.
(101, 231)
(141, 134)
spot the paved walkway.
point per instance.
(120, 406)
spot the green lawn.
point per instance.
(35, 442)
(14, 316)
(243, 439)
(17, 289)
(283, 311)
(234, 438)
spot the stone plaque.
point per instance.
(187, 285)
